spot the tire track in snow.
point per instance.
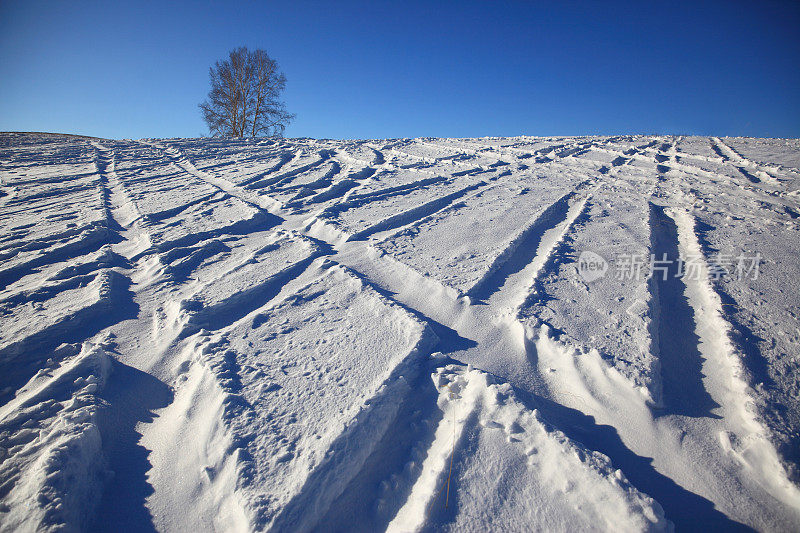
(541, 156)
(594, 404)
(717, 147)
(358, 200)
(259, 201)
(88, 239)
(108, 285)
(431, 298)
(587, 385)
(759, 173)
(62, 246)
(411, 215)
(690, 170)
(123, 502)
(324, 155)
(243, 285)
(486, 426)
(226, 313)
(109, 433)
(454, 159)
(51, 475)
(672, 330)
(378, 159)
(122, 210)
(112, 302)
(348, 458)
(583, 382)
(238, 306)
(207, 199)
(221, 316)
(284, 159)
(745, 436)
(341, 188)
(308, 189)
(523, 250)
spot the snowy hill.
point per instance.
(442, 334)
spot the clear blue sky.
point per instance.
(403, 69)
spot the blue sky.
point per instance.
(405, 69)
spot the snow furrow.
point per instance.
(674, 341)
(541, 262)
(239, 305)
(522, 249)
(416, 213)
(90, 240)
(483, 426)
(324, 155)
(52, 468)
(285, 159)
(348, 453)
(307, 189)
(758, 173)
(747, 438)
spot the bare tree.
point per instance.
(245, 96)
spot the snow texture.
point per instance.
(399, 334)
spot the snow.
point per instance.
(399, 334)
(52, 461)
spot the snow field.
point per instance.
(52, 475)
(299, 334)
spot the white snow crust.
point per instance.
(397, 334)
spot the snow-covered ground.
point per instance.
(418, 334)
